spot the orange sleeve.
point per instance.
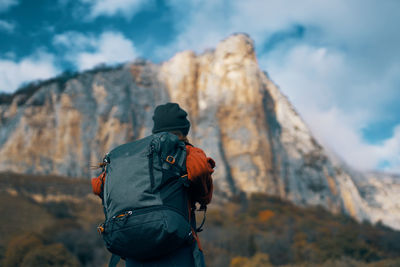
(97, 183)
(199, 169)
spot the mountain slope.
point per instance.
(238, 115)
(58, 210)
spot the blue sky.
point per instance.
(337, 61)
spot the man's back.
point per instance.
(165, 179)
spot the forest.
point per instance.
(51, 221)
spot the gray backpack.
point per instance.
(145, 198)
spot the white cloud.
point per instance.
(126, 8)
(335, 101)
(87, 51)
(355, 23)
(7, 4)
(341, 133)
(6, 26)
(13, 74)
(200, 25)
(312, 75)
(389, 151)
(112, 48)
(75, 42)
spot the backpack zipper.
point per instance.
(145, 210)
(122, 215)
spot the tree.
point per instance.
(258, 260)
(50, 255)
(18, 247)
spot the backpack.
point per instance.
(145, 198)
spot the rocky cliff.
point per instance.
(238, 115)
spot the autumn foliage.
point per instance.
(262, 230)
(265, 215)
(257, 230)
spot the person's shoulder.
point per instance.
(192, 149)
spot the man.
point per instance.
(171, 118)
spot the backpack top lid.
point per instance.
(137, 170)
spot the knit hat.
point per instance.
(170, 117)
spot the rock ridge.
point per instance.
(238, 115)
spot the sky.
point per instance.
(338, 61)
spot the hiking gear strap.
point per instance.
(200, 228)
(114, 260)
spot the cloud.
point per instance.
(355, 23)
(108, 8)
(322, 76)
(336, 101)
(6, 26)
(75, 41)
(7, 4)
(87, 51)
(195, 30)
(37, 66)
(341, 133)
(389, 152)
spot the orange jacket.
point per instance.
(199, 168)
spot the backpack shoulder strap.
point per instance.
(114, 260)
(172, 154)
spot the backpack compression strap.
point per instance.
(204, 209)
(114, 260)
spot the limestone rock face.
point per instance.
(64, 128)
(239, 117)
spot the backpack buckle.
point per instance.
(185, 179)
(100, 229)
(170, 159)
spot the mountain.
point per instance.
(238, 115)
